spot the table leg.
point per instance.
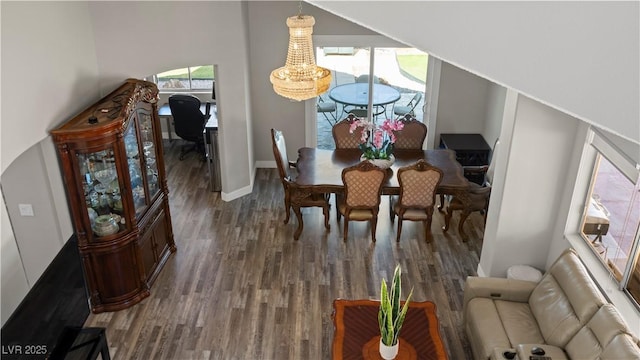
(168, 120)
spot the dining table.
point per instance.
(319, 171)
(357, 95)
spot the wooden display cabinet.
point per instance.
(113, 169)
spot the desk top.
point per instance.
(211, 124)
(322, 169)
(357, 94)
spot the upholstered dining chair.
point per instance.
(478, 195)
(341, 135)
(361, 199)
(291, 190)
(412, 134)
(418, 184)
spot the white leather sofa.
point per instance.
(564, 314)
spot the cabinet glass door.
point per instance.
(149, 151)
(102, 192)
(132, 148)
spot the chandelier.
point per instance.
(300, 78)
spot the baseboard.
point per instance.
(266, 164)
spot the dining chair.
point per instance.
(478, 195)
(361, 198)
(409, 108)
(412, 134)
(342, 137)
(291, 190)
(418, 184)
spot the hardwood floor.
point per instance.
(240, 287)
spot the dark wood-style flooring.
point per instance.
(240, 287)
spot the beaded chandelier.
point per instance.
(300, 78)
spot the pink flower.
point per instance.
(378, 138)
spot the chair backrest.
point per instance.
(365, 79)
(280, 154)
(488, 177)
(415, 100)
(363, 185)
(412, 135)
(188, 121)
(341, 135)
(418, 184)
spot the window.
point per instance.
(186, 79)
(611, 219)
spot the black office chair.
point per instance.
(189, 121)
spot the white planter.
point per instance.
(381, 163)
(389, 352)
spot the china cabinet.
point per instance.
(113, 169)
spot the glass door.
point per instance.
(102, 192)
(396, 82)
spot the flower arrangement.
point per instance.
(377, 142)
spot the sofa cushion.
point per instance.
(621, 347)
(564, 300)
(590, 341)
(519, 323)
(481, 315)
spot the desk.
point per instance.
(165, 112)
(357, 334)
(320, 171)
(212, 152)
(357, 94)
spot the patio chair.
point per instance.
(327, 107)
(409, 108)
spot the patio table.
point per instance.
(357, 94)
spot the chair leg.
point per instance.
(441, 206)
(447, 219)
(346, 229)
(427, 226)
(287, 206)
(399, 228)
(325, 211)
(463, 218)
(374, 224)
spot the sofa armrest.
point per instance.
(497, 288)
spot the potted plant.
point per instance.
(391, 315)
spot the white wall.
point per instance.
(462, 102)
(136, 39)
(525, 204)
(48, 53)
(49, 73)
(14, 280)
(578, 56)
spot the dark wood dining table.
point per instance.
(320, 171)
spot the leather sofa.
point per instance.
(564, 316)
